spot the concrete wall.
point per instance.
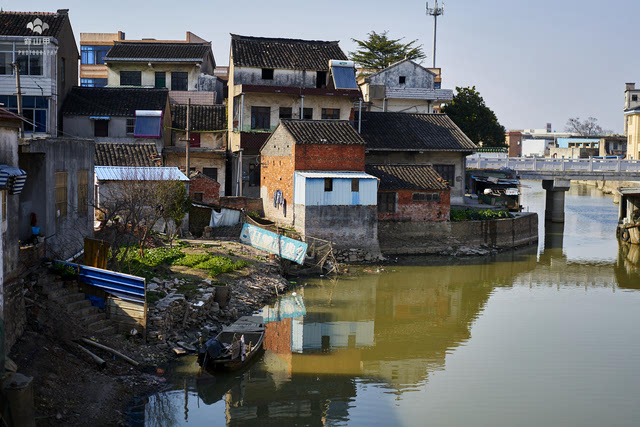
(419, 106)
(41, 159)
(295, 78)
(408, 238)
(572, 152)
(633, 136)
(149, 73)
(426, 158)
(415, 76)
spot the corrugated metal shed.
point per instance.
(309, 189)
(124, 173)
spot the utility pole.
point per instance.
(188, 136)
(16, 69)
(435, 12)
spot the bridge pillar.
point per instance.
(554, 209)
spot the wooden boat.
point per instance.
(235, 346)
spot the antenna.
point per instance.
(435, 12)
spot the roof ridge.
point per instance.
(29, 13)
(280, 39)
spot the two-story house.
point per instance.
(272, 79)
(44, 48)
(404, 86)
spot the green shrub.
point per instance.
(475, 215)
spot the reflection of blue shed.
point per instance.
(334, 188)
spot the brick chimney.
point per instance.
(629, 86)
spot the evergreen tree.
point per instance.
(474, 118)
(378, 51)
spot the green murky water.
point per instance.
(540, 336)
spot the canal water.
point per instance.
(546, 335)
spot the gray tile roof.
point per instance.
(290, 54)
(127, 154)
(113, 101)
(148, 51)
(203, 117)
(322, 131)
(15, 24)
(407, 177)
(413, 132)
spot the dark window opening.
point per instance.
(328, 184)
(326, 343)
(267, 74)
(285, 113)
(402, 80)
(355, 185)
(254, 175)
(197, 197)
(101, 128)
(161, 79)
(436, 85)
(386, 202)
(426, 197)
(634, 97)
(211, 173)
(179, 80)
(307, 114)
(330, 114)
(260, 118)
(321, 79)
(130, 78)
(447, 172)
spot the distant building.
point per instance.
(632, 125)
(513, 139)
(613, 145)
(404, 86)
(631, 103)
(43, 46)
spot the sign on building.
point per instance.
(269, 241)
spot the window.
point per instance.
(34, 109)
(285, 113)
(148, 123)
(426, 197)
(634, 97)
(100, 128)
(260, 118)
(130, 78)
(436, 85)
(29, 58)
(194, 140)
(355, 185)
(254, 175)
(93, 82)
(330, 114)
(131, 126)
(402, 80)
(211, 173)
(447, 172)
(328, 184)
(83, 192)
(180, 80)
(386, 202)
(267, 74)
(307, 114)
(61, 194)
(321, 79)
(197, 197)
(161, 79)
(93, 55)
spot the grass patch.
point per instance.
(152, 258)
(474, 215)
(214, 264)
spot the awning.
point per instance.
(12, 179)
(99, 118)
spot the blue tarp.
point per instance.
(257, 237)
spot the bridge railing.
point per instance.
(554, 164)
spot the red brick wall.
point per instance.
(329, 157)
(409, 210)
(209, 188)
(247, 203)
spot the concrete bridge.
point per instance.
(556, 174)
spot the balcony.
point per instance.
(289, 90)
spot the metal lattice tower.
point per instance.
(435, 12)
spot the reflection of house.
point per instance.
(406, 87)
(313, 178)
(208, 140)
(118, 115)
(419, 139)
(411, 192)
(44, 48)
(273, 79)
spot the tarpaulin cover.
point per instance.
(269, 241)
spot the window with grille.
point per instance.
(330, 114)
(386, 202)
(447, 172)
(61, 194)
(260, 118)
(83, 192)
(179, 80)
(161, 79)
(130, 78)
(131, 126)
(426, 197)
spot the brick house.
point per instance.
(272, 79)
(204, 189)
(411, 192)
(313, 178)
(419, 139)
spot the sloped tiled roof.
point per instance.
(413, 132)
(322, 131)
(203, 117)
(113, 101)
(127, 154)
(15, 24)
(289, 54)
(146, 51)
(407, 177)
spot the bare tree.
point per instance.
(586, 127)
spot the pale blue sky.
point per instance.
(533, 62)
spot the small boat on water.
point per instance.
(235, 346)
